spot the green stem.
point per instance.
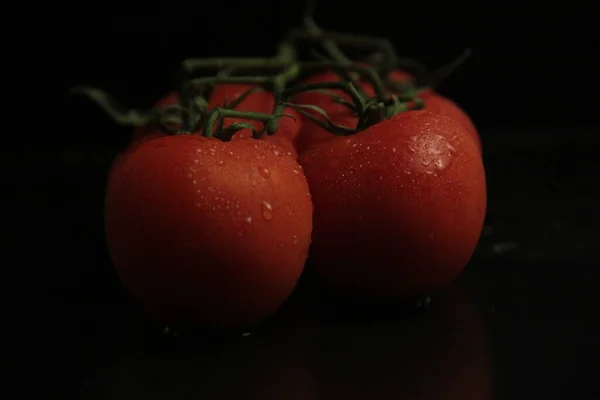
(348, 88)
(445, 71)
(328, 44)
(286, 55)
(383, 45)
(220, 80)
(371, 75)
(219, 112)
(119, 113)
(290, 72)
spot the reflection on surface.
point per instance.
(441, 354)
(313, 354)
(267, 366)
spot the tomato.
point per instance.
(205, 232)
(399, 207)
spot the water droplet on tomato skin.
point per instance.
(295, 239)
(220, 162)
(247, 225)
(264, 172)
(267, 210)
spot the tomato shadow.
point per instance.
(265, 364)
(312, 296)
(443, 354)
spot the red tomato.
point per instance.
(399, 207)
(205, 232)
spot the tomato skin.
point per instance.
(399, 207)
(441, 105)
(312, 134)
(201, 235)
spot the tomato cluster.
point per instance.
(210, 214)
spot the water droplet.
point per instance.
(248, 220)
(296, 171)
(295, 239)
(368, 147)
(267, 210)
(276, 152)
(264, 172)
(194, 181)
(230, 153)
(393, 150)
(220, 162)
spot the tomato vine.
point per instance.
(279, 74)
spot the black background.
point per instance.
(530, 87)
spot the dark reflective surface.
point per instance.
(518, 324)
(320, 352)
